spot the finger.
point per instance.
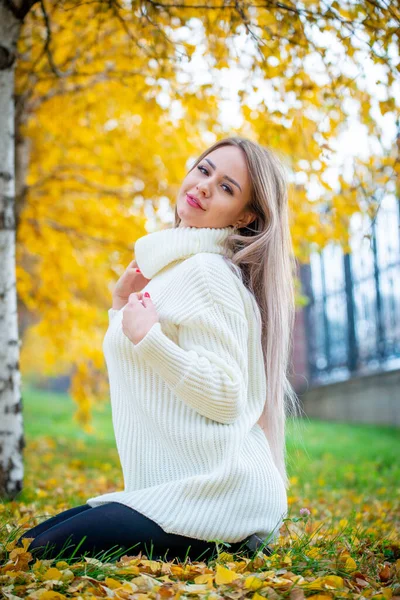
(147, 301)
(133, 298)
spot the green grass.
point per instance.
(346, 475)
(51, 413)
(349, 455)
(345, 455)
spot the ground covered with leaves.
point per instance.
(341, 537)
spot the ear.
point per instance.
(252, 218)
(249, 218)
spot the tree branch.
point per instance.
(47, 49)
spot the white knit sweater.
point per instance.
(186, 399)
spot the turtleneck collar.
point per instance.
(158, 249)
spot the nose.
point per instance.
(203, 187)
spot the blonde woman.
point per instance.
(197, 352)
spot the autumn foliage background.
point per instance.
(107, 116)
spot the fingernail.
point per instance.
(137, 270)
(147, 294)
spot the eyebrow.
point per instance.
(226, 176)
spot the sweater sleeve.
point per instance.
(208, 369)
(111, 314)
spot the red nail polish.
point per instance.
(137, 270)
(147, 294)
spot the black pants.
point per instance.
(114, 529)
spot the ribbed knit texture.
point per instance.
(186, 399)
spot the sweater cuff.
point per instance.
(111, 314)
(168, 359)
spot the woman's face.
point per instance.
(221, 184)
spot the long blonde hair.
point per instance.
(264, 259)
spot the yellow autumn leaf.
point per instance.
(333, 581)
(387, 105)
(347, 562)
(14, 574)
(326, 582)
(225, 556)
(313, 552)
(224, 575)
(52, 573)
(15, 551)
(253, 583)
(112, 583)
(205, 578)
(350, 565)
(52, 595)
(153, 565)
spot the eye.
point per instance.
(228, 189)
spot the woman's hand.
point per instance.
(130, 281)
(138, 317)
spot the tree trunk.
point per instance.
(11, 424)
(22, 156)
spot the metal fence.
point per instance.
(353, 316)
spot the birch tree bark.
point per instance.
(12, 439)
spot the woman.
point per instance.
(197, 351)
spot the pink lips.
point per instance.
(192, 202)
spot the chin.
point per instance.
(186, 215)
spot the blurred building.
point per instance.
(347, 339)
